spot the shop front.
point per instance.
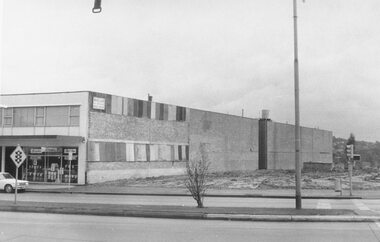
(51, 164)
(46, 164)
(49, 159)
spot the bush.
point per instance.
(196, 176)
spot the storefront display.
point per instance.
(52, 164)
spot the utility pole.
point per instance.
(297, 137)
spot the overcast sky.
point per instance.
(219, 55)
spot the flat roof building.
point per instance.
(88, 137)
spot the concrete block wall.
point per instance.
(322, 146)
(125, 128)
(130, 131)
(108, 171)
(316, 146)
(231, 141)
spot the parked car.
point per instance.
(8, 183)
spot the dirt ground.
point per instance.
(263, 179)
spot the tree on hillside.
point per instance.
(351, 140)
(369, 151)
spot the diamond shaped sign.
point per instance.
(18, 156)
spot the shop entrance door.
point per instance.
(53, 168)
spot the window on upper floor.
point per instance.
(40, 116)
(62, 116)
(8, 116)
(57, 116)
(23, 117)
(74, 115)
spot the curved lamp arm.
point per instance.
(97, 6)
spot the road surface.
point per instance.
(33, 227)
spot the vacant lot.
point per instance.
(261, 180)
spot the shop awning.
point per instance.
(47, 138)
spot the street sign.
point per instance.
(74, 151)
(70, 156)
(356, 157)
(99, 103)
(18, 156)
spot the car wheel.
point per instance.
(8, 188)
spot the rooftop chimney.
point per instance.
(265, 114)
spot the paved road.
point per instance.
(32, 227)
(369, 206)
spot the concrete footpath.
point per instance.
(164, 191)
(187, 212)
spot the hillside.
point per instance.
(369, 151)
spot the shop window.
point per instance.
(51, 164)
(8, 116)
(40, 116)
(23, 117)
(74, 115)
(57, 116)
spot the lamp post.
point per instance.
(297, 137)
(97, 6)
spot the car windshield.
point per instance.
(7, 176)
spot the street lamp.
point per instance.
(97, 6)
(297, 137)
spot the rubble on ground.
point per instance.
(264, 179)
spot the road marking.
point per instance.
(323, 204)
(360, 205)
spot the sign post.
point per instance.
(350, 156)
(70, 157)
(18, 156)
(350, 174)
